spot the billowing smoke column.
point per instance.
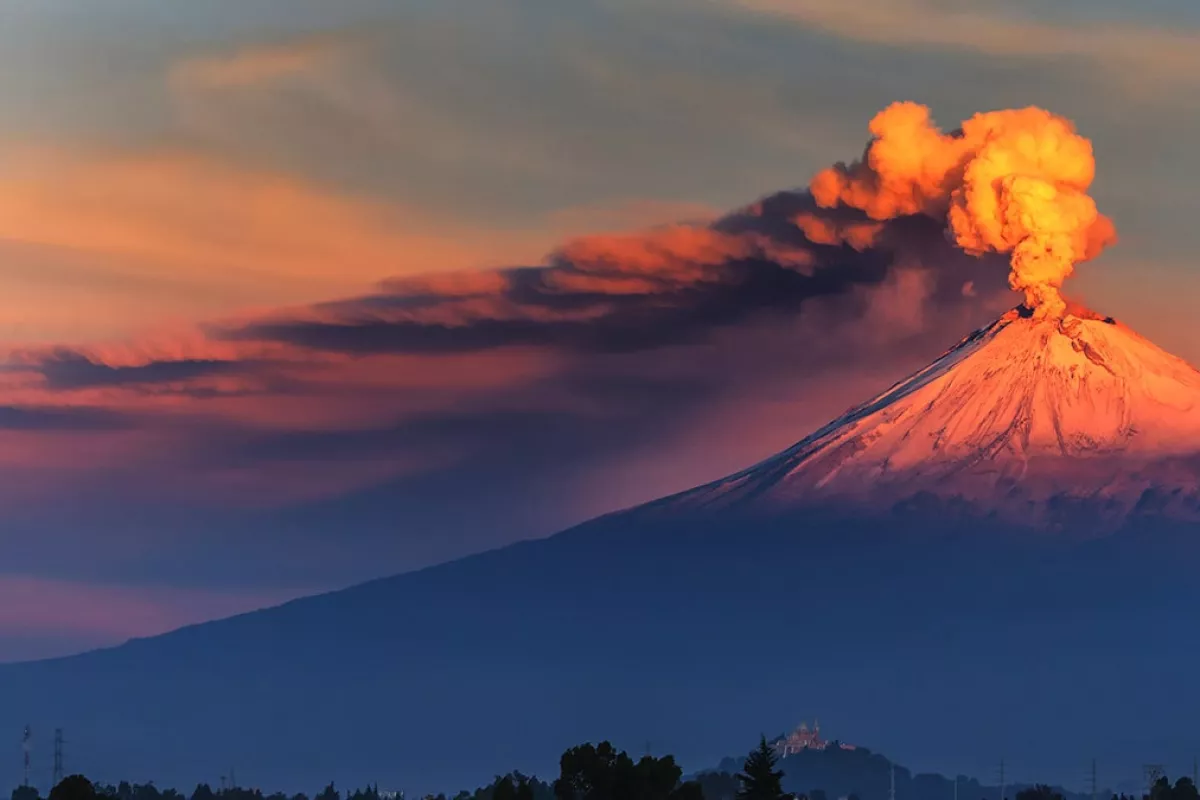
(1012, 181)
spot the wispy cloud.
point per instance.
(1137, 53)
(171, 236)
(256, 65)
(207, 220)
(148, 238)
(437, 104)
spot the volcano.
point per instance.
(897, 571)
(1028, 419)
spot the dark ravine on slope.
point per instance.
(944, 632)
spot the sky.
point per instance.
(298, 295)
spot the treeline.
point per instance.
(587, 772)
(1163, 789)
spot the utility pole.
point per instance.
(1094, 779)
(956, 786)
(26, 745)
(892, 790)
(1003, 785)
(58, 756)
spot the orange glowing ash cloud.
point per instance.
(1013, 181)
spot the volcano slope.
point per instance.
(997, 556)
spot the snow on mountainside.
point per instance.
(1018, 420)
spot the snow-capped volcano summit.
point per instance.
(1021, 419)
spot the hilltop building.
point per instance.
(804, 739)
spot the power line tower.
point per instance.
(58, 756)
(26, 747)
(1093, 781)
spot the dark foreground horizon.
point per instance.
(816, 769)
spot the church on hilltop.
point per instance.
(804, 739)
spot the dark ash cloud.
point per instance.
(66, 370)
(47, 419)
(641, 291)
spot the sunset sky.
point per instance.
(301, 294)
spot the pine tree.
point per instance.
(759, 778)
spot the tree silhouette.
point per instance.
(1039, 792)
(1185, 789)
(759, 778)
(591, 772)
(524, 788)
(505, 789)
(718, 785)
(74, 787)
(600, 772)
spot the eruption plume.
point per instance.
(1012, 181)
